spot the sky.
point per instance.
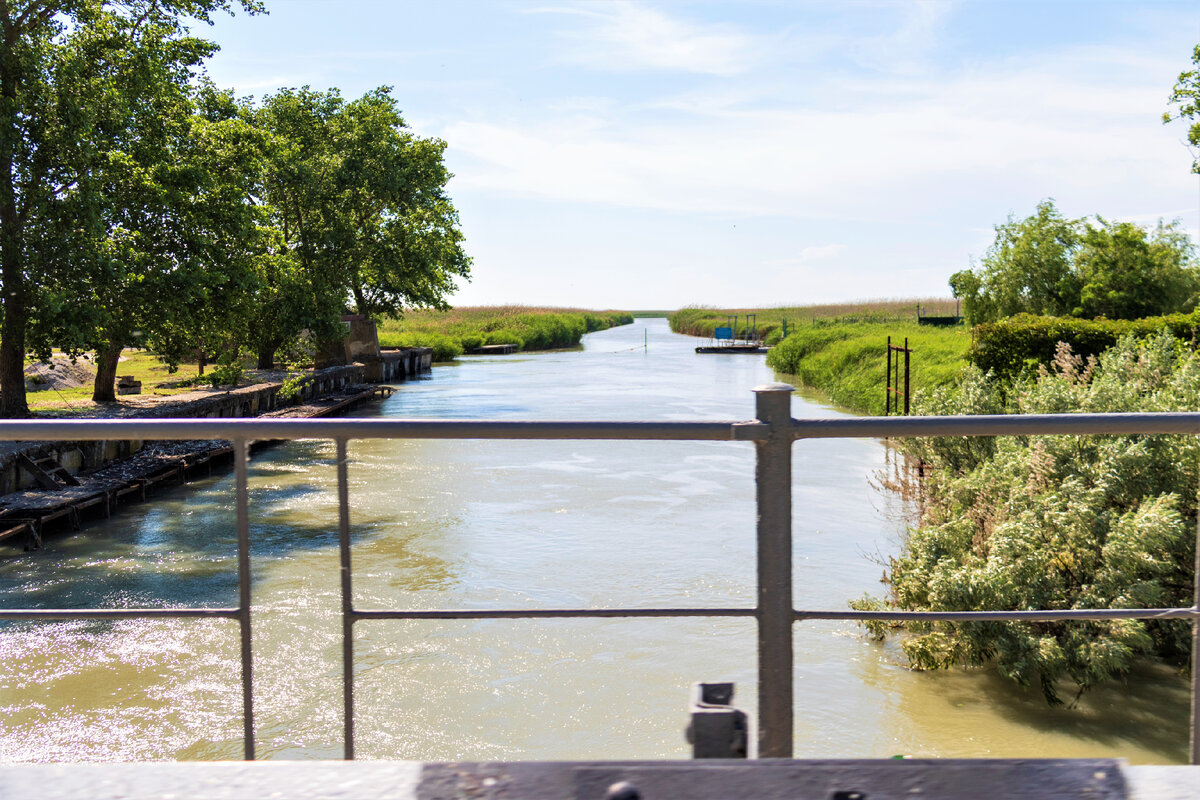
(645, 155)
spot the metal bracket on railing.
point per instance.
(717, 729)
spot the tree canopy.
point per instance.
(1186, 99)
(1047, 264)
(360, 208)
(141, 205)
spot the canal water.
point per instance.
(485, 524)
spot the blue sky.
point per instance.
(653, 155)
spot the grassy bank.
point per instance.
(701, 320)
(451, 333)
(848, 361)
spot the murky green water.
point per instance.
(477, 524)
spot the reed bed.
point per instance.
(456, 331)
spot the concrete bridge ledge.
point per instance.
(973, 779)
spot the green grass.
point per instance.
(701, 320)
(451, 333)
(142, 365)
(848, 361)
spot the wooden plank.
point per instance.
(15, 527)
(43, 478)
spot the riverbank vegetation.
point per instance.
(841, 349)
(848, 361)
(1056, 522)
(454, 332)
(703, 320)
(1063, 522)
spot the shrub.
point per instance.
(1058, 522)
(1009, 346)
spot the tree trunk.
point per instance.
(12, 274)
(12, 349)
(105, 390)
(266, 355)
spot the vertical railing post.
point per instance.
(1194, 737)
(241, 457)
(343, 487)
(773, 475)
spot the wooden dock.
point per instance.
(494, 350)
(159, 464)
(732, 349)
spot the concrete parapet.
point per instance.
(949, 779)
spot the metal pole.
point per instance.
(773, 475)
(887, 392)
(1195, 732)
(907, 353)
(347, 604)
(241, 456)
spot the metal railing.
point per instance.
(773, 432)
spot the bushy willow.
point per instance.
(1057, 522)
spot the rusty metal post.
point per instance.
(907, 353)
(773, 475)
(887, 392)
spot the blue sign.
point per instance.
(723, 333)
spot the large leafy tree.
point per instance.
(1128, 272)
(1028, 268)
(174, 249)
(1048, 264)
(80, 84)
(360, 208)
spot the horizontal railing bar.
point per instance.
(1001, 616)
(997, 425)
(883, 616)
(844, 427)
(553, 613)
(116, 613)
(352, 428)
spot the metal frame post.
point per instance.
(887, 392)
(773, 475)
(1194, 735)
(347, 602)
(241, 457)
(907, 353)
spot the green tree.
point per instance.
(361, 212)
(1028, 268)
(1048, 265)
(1128, 273)
(172, 256)
(1186, 99)
(63, 119)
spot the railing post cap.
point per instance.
(774, 387)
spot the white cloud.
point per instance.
(625, 36)
(1041, 128)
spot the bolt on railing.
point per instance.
(773, 432)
